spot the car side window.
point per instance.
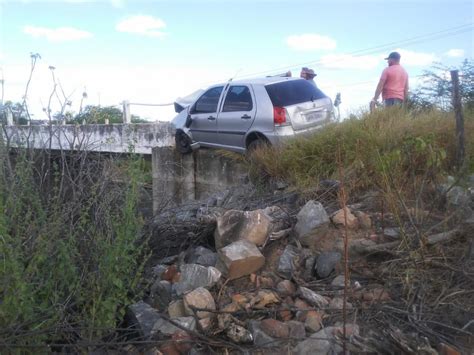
(238, 99)
(207, 103)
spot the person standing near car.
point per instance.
(393, 83)
(308, 74)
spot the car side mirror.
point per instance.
(189, 120)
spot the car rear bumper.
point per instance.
(283, 134)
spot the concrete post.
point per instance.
(126, 112)
(9, 117)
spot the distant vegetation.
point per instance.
(436, 91)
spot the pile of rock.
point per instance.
(268, 285)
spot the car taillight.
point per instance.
(279, 115)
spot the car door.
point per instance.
(204, 116)
(236, 116)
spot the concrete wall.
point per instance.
(180, 178)
(114, 138)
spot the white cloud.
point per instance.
(310, 42)
(143, 25)
(60, 34)
(455, 53)
(347, 61)
(416, 58)
(152, 84)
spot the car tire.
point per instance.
(256, 144)
(183, 142)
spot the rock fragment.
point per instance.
(241, 258)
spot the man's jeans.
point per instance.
(393, 102)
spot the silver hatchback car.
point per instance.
(241, 115)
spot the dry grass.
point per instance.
(390, 139)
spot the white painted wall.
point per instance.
(115, 138)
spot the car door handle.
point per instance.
(246, 117)
(211, 118)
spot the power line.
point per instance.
(358, 53)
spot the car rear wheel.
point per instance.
(257, 144)
(183, 142)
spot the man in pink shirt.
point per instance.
(393, 83)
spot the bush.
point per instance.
(70, 245)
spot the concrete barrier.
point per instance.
(178, 179)
(114, 138)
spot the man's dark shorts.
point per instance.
(393, 102)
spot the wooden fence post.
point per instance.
(459, 118)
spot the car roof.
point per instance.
(260, 81)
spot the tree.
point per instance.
(19, 114)
(96, 114)
(436, 90)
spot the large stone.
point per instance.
(260, 338)
(297, 330)
(149, 322)
(317, 344)
(176, 309)
(364, 219)
(347, 219)
(158, 270)
(324, 342)
(327, 263)
(340, 282)
(314, 321)
(286, 288)
(312, 220)
(143, 317)
(338, 303)
(160, 294)
(254, 226)
(194, 276)
(393, 233)
(167, 328)
(199, 298)
(312, 297)
(203, 256)
(458, 196)
(241, 258)
(275, 328)
(286, 264)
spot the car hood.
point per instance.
(183, 102)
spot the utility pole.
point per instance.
(126, 112)
(2, 82)
(460, 150)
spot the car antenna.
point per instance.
(236, 73)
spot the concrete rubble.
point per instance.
(241, 258)
(312, 220)
(282, 294)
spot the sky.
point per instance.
(154, 51)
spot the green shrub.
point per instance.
(71, 247)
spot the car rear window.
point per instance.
(293, 92)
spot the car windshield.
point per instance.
(293, 92)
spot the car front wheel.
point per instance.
(183, 142)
